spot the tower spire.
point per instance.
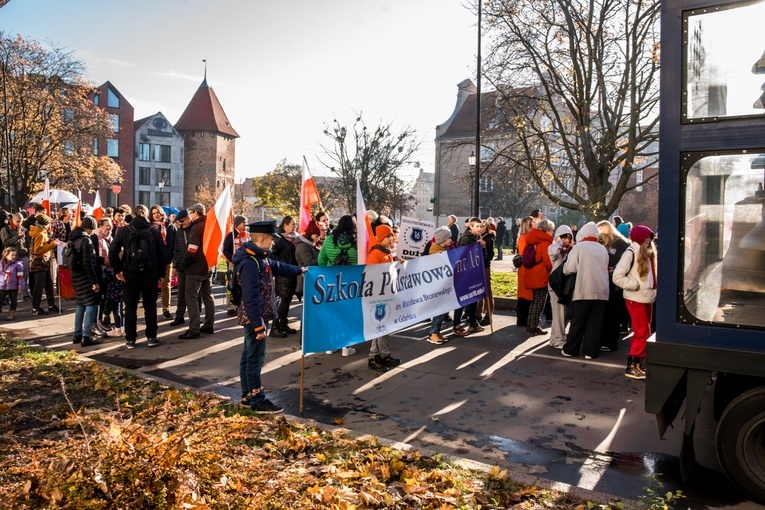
(204, 82)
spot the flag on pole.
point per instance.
(78, 210)
(219, 223)
(363, 227)
(309, 196)
(46, 197)
(98, 210)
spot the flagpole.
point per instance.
(302, 382)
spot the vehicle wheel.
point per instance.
(741, 442)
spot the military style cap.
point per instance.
(263, 227)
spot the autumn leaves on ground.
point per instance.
(78, 435)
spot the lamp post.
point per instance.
(161, 185)
(477, 160)
(474, 198)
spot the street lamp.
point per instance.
(474, 198)
(161, 185)
(477, 160)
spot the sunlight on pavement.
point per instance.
(193, 356)
(449, 408)
(409, 364)
(594, 467)
(530, 346)
(414, 434)
(470, 362)
(276, 364)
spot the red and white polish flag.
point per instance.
(309, 196)
(220, 221)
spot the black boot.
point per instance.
(283, 326)
(276, 331)
(87, 341)
(77, 339)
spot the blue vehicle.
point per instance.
(710, 319)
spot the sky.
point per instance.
(281, 69)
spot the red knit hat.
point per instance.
(313, 228)
(640, 233)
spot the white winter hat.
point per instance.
(590, 229)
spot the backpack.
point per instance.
(342, 258)
(139, 256)
(234, 288)
(70, 257)
(562, 284)
(517, 261)
(529, 254)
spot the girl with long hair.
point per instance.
(636, 274)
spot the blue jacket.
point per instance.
(255, 272)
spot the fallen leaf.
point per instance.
(338, 421)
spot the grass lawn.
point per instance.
(504, 284)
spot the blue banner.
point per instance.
(346, 305)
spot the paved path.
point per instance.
(503, 398)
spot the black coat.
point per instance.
(194, 259)
(85, 274)
(501, 232)
(157, 270)
(179, 253)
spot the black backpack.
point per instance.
(234, 287)
(70, 257)
(342, 258)
(139, 256)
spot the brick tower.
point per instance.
(210, 144)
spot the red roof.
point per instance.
(140, 122)
(204, 113)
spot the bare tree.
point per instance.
(589, 119)
(373, 157)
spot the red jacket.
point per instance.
(537, 276)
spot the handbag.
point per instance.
(517, 261)
(37, 265)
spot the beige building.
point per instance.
(210, 144)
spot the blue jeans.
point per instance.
(435, 323)
(83, 319)
(252, 361)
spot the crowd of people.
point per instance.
(592, 284)
(600, 281)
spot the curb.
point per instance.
(543, 483)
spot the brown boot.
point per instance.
(11, 315)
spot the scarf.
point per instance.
(240, 240)
(162, 230)
(103, 244)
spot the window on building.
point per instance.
(144, 175)
(162, 153)
(68, 115)
(95, 98)
(68, 147)
(114, 121)
(486, 184)
(95, 146)
(113, 147)
(144, 152)
(112, 100)
(111, 198)
(163, 198)
(487, 151)
(144, 197)
(639, 180)
(163, 174)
